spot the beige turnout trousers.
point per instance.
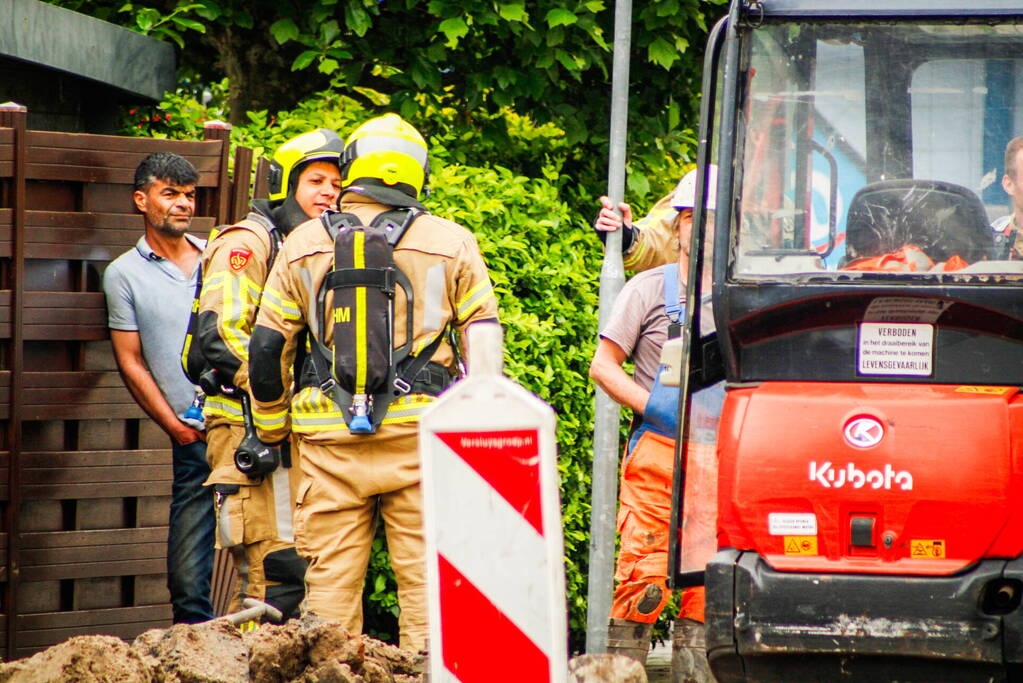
(255, 523)
(345, 485)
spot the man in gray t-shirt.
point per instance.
(150, 296)
(149, 291)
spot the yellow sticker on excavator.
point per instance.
(996, 391)
(800, 545)
(930, 548)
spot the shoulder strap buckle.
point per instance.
(402, 385)
(396, 222)
(334, 221)
(327, 385)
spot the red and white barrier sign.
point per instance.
(495, 567)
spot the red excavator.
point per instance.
(868, 302)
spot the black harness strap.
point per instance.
(381, 278)
(407, 372)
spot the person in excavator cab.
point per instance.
(378, 286)
(1006, 228)
(254, 497)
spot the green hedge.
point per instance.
(544, 263)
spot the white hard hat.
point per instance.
(685, 192)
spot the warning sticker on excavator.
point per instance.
(927, 549)
(792, 523)
(800, 545)
(994, 391)
(896, 349)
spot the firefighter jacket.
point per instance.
(450, 285)
(235, 266)
(655, 238)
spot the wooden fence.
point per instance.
(84, 474)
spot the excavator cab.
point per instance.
(868, 305)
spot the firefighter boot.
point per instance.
(689, 653)
(629, 638)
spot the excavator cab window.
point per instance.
(874, 150)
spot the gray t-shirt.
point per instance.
(148, 294)
(639, 325)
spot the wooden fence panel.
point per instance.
(84, 474)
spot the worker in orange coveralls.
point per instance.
(650, 310)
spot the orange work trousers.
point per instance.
(644, 526)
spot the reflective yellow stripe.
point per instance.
(317, 422)
(408, 409)
(240, 295)
(272, 299)
(360, 317)
(184, 351)
(309, 400)
(402, 418)
(311, 411)
(632, 258)
(309, 415)
(473, 292)
(210, 283)
(270, 421)
(222, 406)
(299, 428)
(474, 298)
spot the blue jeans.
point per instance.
(191, 535)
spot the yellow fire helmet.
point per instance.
(386, 158)
(321, 144)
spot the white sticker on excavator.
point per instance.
(896, 349)
(792, 523)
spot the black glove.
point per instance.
(628, 236)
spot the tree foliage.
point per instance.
(549, 60)
(512, 97)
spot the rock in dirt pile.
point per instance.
(308, 650)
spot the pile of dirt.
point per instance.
(605, 669)
(308, 650)
(85, 658)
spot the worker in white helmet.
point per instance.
(650, 310)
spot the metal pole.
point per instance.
(607, 413)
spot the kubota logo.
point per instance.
(864, 432)
(829, 477)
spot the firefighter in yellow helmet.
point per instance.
(254, 510)
(358, 433)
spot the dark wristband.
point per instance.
(628, 237)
